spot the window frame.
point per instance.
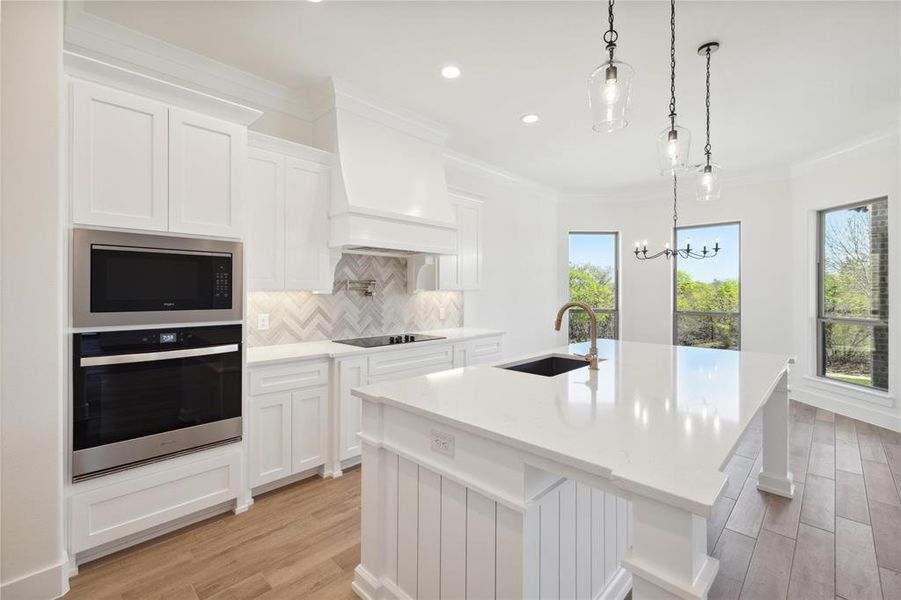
(676, 312)
(820, 318)
(616, 257)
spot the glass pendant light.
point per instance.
(610, 86)
(708, 174)
(674, 142)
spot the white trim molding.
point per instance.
(107, 41)
(49, 582)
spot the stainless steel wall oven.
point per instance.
(142, 395)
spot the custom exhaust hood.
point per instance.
(389, 193)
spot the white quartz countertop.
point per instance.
(328, 349)
(661, 420)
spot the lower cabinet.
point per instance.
(288, 427)
(387, 366)
(111, 508)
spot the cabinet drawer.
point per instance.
(291, 376)
(411, 362)
(127, 507)
(485, 349)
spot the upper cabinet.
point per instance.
(206, 161)
(120, 159)
(147, 154)
(463, 270)
(287, 204)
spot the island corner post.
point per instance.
(466, 520)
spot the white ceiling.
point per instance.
(792, 79)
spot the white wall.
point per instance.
(31, 536)
(861, 171)
(646, 286)
(519, 262)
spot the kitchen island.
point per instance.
(488, 482)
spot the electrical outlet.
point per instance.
(443, 443)
(263, 321)
(442, 312)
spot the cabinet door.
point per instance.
(270, 447)
(307, 254)
(206, 163)
(308, 414)
(264, 199)
(469, 223)
(119, 159)
(351, 374)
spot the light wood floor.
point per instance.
(840, 536)
(301, 541)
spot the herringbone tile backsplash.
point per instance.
(305, 317)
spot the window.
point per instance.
(852, 290)
(708, 292)
(593, 259)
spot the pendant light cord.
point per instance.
(707, 147)
(672, 64)
(610, 36)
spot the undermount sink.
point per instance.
(547, 366)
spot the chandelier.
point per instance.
(641, 250)
(610, 86)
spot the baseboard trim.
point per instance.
(873, 414)
(154, 532)
(50, 582)
(619, 587)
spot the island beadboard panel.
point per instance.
(297, 316)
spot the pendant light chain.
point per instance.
(610, 36)
(707, 147)
(672, 64)
(675, 203)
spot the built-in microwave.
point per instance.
(139, 279)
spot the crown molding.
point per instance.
(89, 69)
(109, 42)
(883, 138)
(663, 190)
(262, 141)
(338, 94)
(466, 161)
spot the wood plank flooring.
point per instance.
(839, 538)
(302, 541)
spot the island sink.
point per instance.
(548, 366)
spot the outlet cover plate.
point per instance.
(443, 443)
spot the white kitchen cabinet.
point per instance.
(463, 270)
(351, 373)
(206, 159)
(308, 259)
(478, 351)
(270, 450)
(138, 163)
(309, 418)
(265, 197)
(119, 158)
(289, 420)
(287, 191)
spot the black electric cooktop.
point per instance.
(389, 340)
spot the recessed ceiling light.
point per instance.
(451, 71)
(314, 1)
(529, 118)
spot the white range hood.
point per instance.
(389, 193)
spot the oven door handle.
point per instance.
(121, 359)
